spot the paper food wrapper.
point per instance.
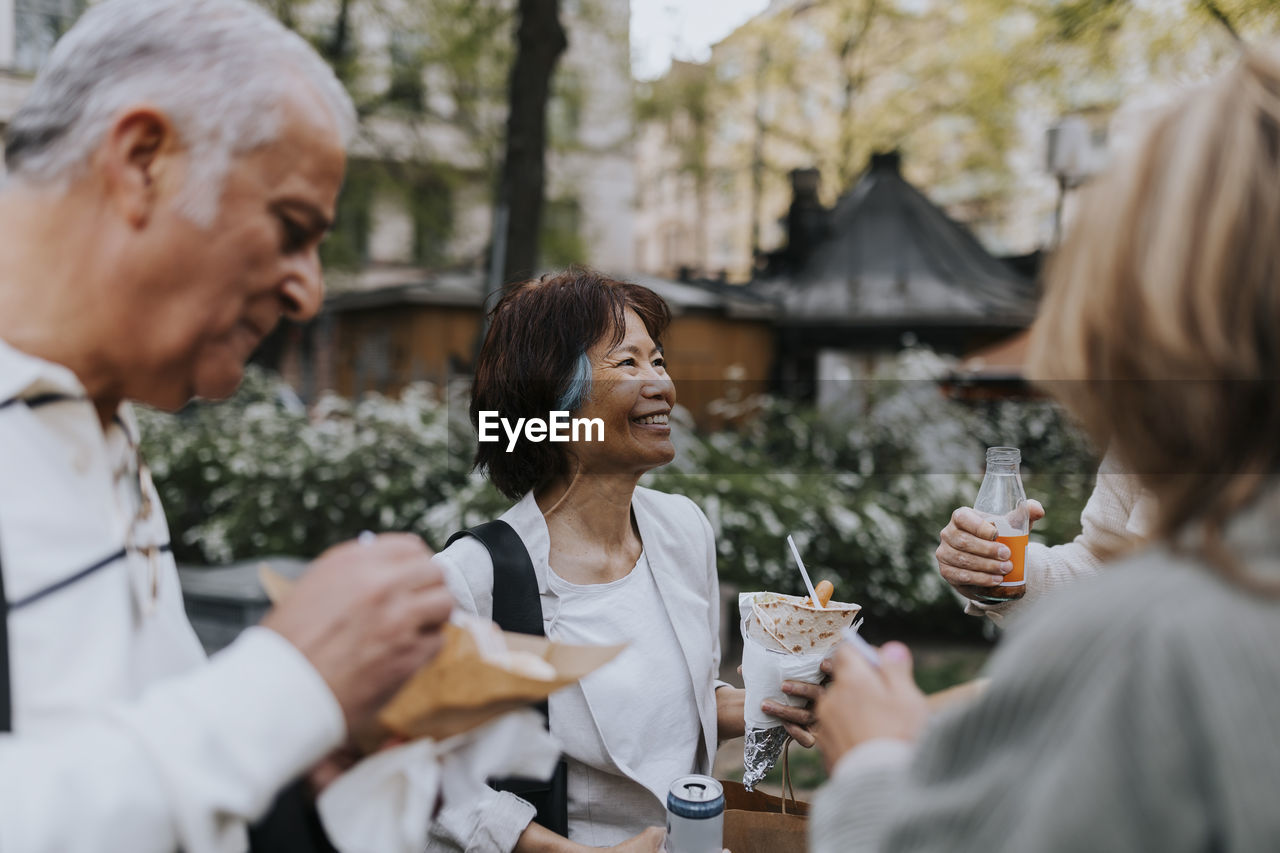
(466, 685)
(783, 640)
(385, 803)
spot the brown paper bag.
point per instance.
(459, 689)
(756, 822)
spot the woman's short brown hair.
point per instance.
(1160, 328)
(533, 362)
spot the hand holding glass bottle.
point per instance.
(969, 557)
(1002, 501)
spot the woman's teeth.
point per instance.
(652, 419)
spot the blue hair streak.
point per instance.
(575, 393)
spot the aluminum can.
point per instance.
(695, 815)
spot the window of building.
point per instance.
(565, 107)
(37, 24)
(407, 87)
(562, 242)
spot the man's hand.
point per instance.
(367, 616)
(863, 702)
(797, 720)
(968, 556)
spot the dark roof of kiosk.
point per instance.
(892, 256)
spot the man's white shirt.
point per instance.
(125, 736)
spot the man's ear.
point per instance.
(139, 162)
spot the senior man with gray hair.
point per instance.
(171, 175)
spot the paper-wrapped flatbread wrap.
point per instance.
(798, 625)
(481, 673)
(785, 637)
(461, 688)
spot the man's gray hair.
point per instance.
(219, 69)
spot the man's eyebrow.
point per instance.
(317, 222)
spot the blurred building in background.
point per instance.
(431, 81)
(882, 270)
(968, 90)
(28, 30)
(381, 339)
(751, 168)
(765, 166)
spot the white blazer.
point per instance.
(680, 546)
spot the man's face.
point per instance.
(214, 293)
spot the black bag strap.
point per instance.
(6, 703)
(517, 608)
(291, 826)
(515, 585)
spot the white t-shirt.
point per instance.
(646, 711)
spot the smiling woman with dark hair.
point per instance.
(611, 563)
(536, 361)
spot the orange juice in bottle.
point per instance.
(1002, 501)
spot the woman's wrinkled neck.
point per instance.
(595, 507)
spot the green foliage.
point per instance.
(424, 189)
(347, 245)
(562, 242)
(825, 83)
(255, 476)
(430, 85)
(864, 488)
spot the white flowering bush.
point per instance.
(257, 475)
(864, 487)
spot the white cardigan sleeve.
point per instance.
(496, 821)
(186, 766)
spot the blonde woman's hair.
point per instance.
(1160, 328)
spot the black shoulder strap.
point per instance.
(516, 607)
(291, 826)
(515, 586)
(6, 704)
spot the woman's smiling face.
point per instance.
(633, 395)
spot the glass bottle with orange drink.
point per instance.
(1002, 501)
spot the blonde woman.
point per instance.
(1137, 710)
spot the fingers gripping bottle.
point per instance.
(1002, 501)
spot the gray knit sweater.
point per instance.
(1138, 710)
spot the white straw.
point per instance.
(861, 646)
(808, 584)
